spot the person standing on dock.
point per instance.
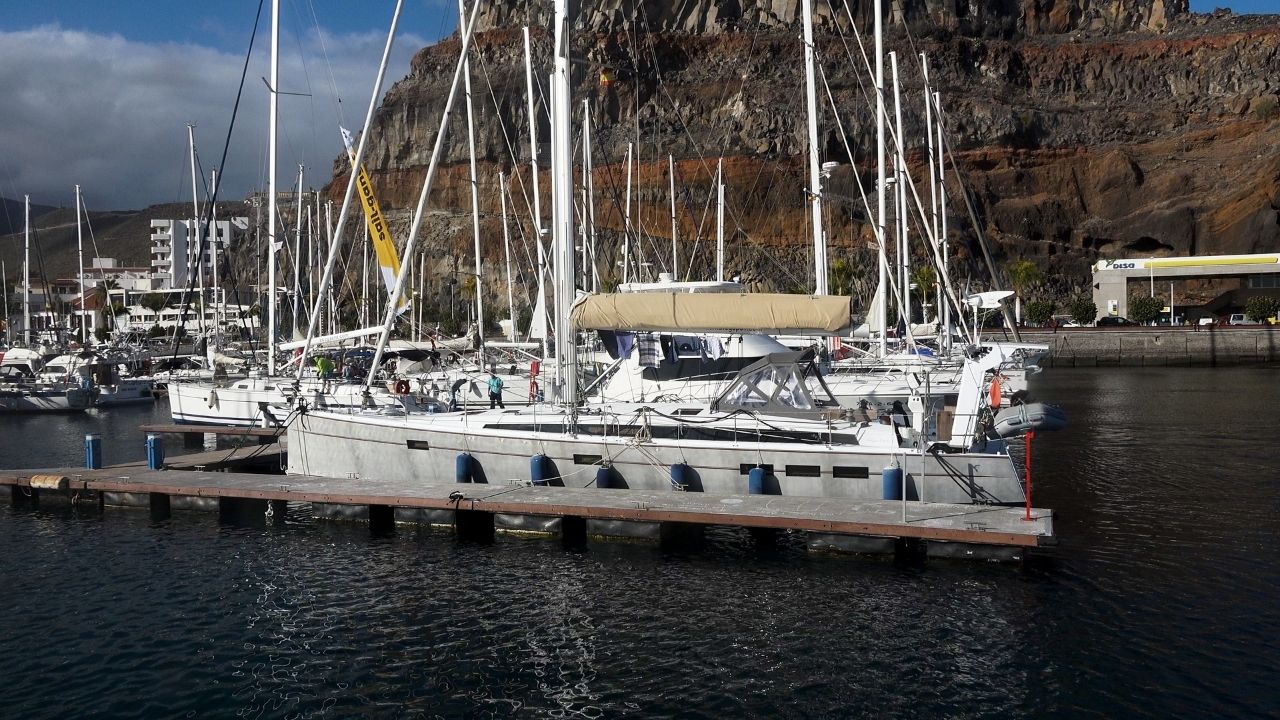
(495, 391)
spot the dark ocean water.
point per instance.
(1160, 601)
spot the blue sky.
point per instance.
(99, 92)
(224, 24)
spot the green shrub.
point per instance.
(1039, 311)
(1265, 109)
(1261, 307)
(1143, 309)
(1083, 311)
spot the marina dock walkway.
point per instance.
(477, 504)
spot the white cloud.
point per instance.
(110, 114)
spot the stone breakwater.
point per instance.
(1158, 347)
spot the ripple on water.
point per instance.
(1159, 602)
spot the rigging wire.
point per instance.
(186, 300)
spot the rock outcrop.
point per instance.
(1080, 129)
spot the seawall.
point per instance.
(1158, 346)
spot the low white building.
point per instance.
(1114, 281)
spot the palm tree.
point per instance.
(840, 277)
(155, 302)
(924, 277)
(1022, 275)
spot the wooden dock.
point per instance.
(193, 435)
(474, 506)
(267, 458)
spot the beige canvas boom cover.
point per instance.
(713, 312)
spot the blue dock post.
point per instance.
(155, 451)
(93, 451)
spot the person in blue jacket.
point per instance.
(495, 391)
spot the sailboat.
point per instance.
(774, 428)
(267, 400)
(22, 390)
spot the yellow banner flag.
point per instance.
(384, 247)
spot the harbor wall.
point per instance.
(1158, 346)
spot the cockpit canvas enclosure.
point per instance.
(778, 384)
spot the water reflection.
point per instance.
(1159, 602)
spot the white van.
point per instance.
(1238, 319)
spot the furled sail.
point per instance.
(713, 312)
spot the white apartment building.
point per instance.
(175, 243)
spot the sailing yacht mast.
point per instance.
(720, 221)
(815, 179)
(540, 306)
(882, 260)
(410, 247)
(297, 255)
(26, 271)
(900, 187)
(506, 251)
(562, 207)
(626, 222)
(942, 218)
(218, 310)
(475, 192)
(84, 338)
(589, 192)
(193, 237)
(272, 115)
(933, 175)
(671, 174)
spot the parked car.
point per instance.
(1114, 321)
(1238, 319)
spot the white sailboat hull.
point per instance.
(425, 448)
(43, 400)
(127, 391)
(259, 401)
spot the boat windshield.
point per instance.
(781, 383)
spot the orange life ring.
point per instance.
(402, 387)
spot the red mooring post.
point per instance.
(1027, 474)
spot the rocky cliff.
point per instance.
(1080, 129)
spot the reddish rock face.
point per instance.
(1080, 129)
